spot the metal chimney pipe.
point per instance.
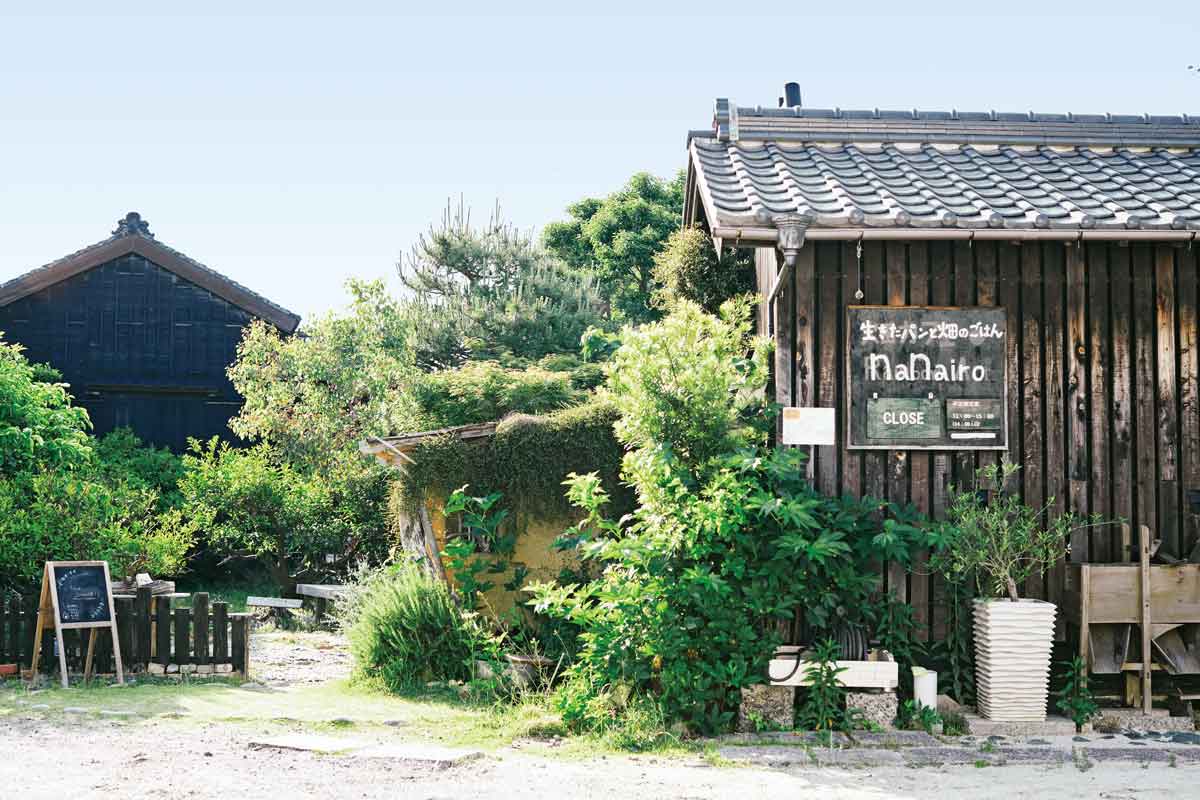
(791, 95)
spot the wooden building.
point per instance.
(142, 333)
(1081, 229)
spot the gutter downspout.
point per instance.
(792, 228)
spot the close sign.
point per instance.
(926, 378)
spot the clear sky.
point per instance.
(291, 145)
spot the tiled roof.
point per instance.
(860, 170)
(133, 235)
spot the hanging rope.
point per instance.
(860, 294)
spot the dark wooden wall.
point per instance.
(1102, 379)
(140, 346)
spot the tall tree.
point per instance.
(617, 237)
(492, 293)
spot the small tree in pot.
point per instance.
(994, 539)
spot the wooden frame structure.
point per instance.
(49, 612)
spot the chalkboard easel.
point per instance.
(76, 595)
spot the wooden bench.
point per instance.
(321, 593)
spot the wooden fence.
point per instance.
(201, 639)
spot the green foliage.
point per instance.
(686, 386)
(896, 631)
(122, 457)
(726, 539)
(623, 719)
(688, 268)
(617, 237)
(526, 461)
(823, 708)
(484, 391)
(407, 630)
(999, 539)
(313, 396)
(954, 724)
(912, 716)
(1075, 699)
(39, 428)
(62, 496)
(491, 293)
(68, 515)
(253, 504)
(481, 533)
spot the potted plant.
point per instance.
(993, 539)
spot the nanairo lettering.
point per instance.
(920, 367)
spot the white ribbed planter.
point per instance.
(1012, 658)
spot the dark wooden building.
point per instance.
(1081, 228)
(142, 333)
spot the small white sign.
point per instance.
(809, 426)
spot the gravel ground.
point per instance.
(92, 757)
(279, 658)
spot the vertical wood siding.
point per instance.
(1103, 381)
(140, 346)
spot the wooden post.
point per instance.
(183, 619)
(91, 651)
(220, 635)
(241, 644)
(141, 627)
(1147, 697)
(1085, 581)
(200, 626)
(162, 630)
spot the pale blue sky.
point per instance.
(298, 145)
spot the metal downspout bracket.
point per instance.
(792, 228)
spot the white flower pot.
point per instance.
(1012, 658)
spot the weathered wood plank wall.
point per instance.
(1103, 376)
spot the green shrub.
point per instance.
(824, 706)
(726, 539)
(689, 268)
(407, 630)
(526, 461)
(483, 391)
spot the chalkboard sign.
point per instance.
(926, 378)
(76, 594)
(82, 593)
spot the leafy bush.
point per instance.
(726, 540)
(63, 515)
(484, 391)
(688, 268)
(912, 716)
(39, 427)
(407, 630)
(121, 456)
(63, 496)
(685, 386)
(253, 504)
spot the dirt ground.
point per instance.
(53, 755)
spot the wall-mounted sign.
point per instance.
(926, 378)
(809, 426)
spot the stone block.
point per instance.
(187, 669)
(770, 706)
(204, 669)
(172, 668)
(157, 669)
(877, 707)
(224, 669)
